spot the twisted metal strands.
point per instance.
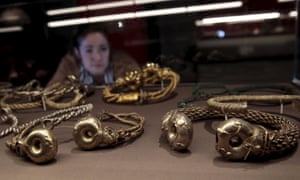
(55, 118)
(235, 102)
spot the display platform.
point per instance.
(149, 156)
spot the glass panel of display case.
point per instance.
(246, 41)
(296, 71)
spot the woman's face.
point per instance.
(94, 53)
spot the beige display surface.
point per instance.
(149, 156)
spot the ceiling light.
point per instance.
(160, 12)
(112, 17)
(283, 1)
(214, 6)
(69, 22)
(293, 14)
(239, 18)
(76, 9)
(149, 1)
(115, 4)
(110, 5)
(11, 29)
(148, 13)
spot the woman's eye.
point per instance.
(89, 50)
(103, 48)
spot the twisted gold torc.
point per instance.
(55, 117)
(89, 132)
(35, 139)
(56, 96)
(238, 103)
(7, 116)
(137, 86)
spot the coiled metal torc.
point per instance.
(245, 134)
(31, 95)
(35, 139)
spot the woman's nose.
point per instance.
(97, 56)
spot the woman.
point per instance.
(92, 59)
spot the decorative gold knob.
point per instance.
(88, 133)
(38, 145)
(237, 139)
(178, 129)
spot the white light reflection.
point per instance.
(120, 24)
(68, 22)
(160, 12)
(293, 14)
(148, 13)
(238, 18)
(214, 6)
(76, 9)
(106, 5)
(149, 1)
(11, 29)
(283, 1)
(111, 17)
(220, 34)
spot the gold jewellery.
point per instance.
(89, 133)
(35, 139)
(238, 103)
(137, 86)
(245, 134)
(7, 116)
(67, 93)
(5, 87)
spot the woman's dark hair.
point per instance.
(86, 29)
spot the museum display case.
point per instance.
(217, 94)
(150, 156)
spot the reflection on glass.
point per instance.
(203, 41)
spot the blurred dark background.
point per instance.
(247, 52)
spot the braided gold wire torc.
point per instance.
(135, 86)
(136, 122)
(35, 140)
(238, 103)
(33, 96)
(56, 118)
(8, 117)
(89, 133)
